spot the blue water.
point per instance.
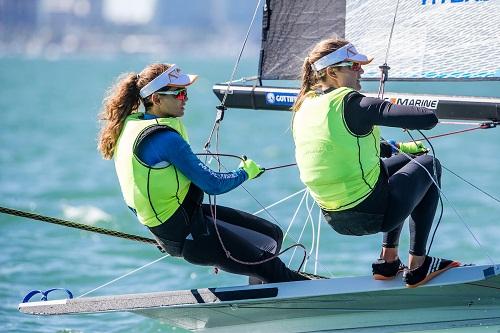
(49, 164)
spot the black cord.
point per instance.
(439, 192)
(437, 225)
(243, 158)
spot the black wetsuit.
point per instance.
(403, 189)
(190, 233)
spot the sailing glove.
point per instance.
(412, 147)
(252, 169)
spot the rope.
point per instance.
(485, 125)
(124, 275)
(240, 54)
(480, 246)
(434, 171)
(214, 217)
(317, 243)
(281, 166)
(468, 182)
(75, 225)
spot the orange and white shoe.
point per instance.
(431, 268)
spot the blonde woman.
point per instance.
(338, 152)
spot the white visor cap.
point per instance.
(345, 53)
(172, 77)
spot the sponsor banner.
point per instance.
(430, 103)
(275, 98)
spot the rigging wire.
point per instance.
(391, 33)
(437, 225)
(435, 180)
(124, 275)
(279, 201)
(215, 130)
(243, 158)
(317, 243)
(484, 125)
(309, 208)
(266, 209)
(384, 77)
(468, 182)
(384, 69)
(214, 216)
(480, 246)
(221, 108)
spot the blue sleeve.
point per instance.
(170, 147)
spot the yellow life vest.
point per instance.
(153, 192)
(338, 167)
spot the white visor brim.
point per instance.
(345, 53)
(172, 77)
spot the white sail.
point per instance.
(431, 38)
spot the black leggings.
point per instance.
(246, 237)
(404, 189)
(411, 192)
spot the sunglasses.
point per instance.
(180, 94)
(355, 66)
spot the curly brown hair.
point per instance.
(121, 100)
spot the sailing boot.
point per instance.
(383, 270)
(311, 276)
(431, 267)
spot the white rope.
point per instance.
(121, 277)
(294, 216)
(458, 123)
(306, 193)
(303, 228)
(278, 202)
(317, 243)
(313, 238)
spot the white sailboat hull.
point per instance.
(460, 297)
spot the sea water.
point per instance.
(49, 165)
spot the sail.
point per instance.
(432, 39)
(435, 39)
(290, 28)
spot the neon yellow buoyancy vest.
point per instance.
(339, 168)
(155, 193)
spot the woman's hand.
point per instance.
(252, 169)
(413, 147)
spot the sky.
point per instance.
(131, 11)
(119, 11)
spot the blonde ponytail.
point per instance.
(310, 78)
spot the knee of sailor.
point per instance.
(428, 161)
(278, 234)
(438, 166)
